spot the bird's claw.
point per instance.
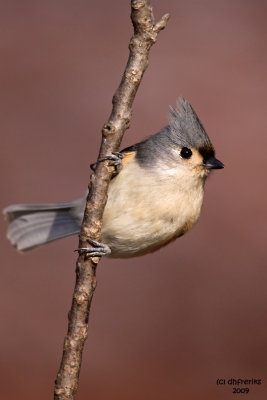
(116, 162)
(97, 250)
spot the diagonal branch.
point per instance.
(145, 35)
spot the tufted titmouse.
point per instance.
(155, 198)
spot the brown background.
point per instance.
(167, 325)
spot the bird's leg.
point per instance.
(97, 250)
(116, 161)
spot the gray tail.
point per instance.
(31, 225)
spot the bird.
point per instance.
(155, 197)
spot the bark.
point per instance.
(145, 35)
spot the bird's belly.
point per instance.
(136, 222)
(133, 238)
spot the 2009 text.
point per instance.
(240, 390)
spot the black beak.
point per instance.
(213, 163)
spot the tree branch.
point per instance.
(145, 35)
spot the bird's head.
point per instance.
(190, 140)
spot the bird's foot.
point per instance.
(115, 161)
(97, 250)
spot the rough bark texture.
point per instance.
(145, 35)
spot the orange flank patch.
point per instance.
(128, 157)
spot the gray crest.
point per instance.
(185, 128)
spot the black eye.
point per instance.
(186, 152)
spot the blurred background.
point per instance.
(166, 325)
